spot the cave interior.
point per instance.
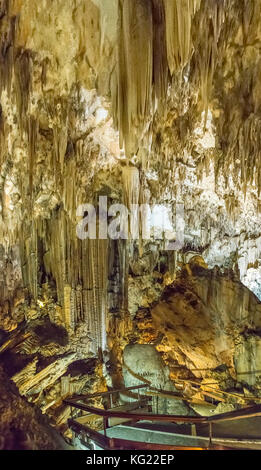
(130, 214)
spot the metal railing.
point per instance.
(106, 442)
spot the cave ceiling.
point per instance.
(172, 87)
(169, 87)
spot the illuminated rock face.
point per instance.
(206, 317)
(145, 102)
(143, 364)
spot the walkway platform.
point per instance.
(133, 426)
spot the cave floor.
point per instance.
(244, 433)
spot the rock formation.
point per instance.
(134, 102)
(21, 425)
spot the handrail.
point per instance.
(207, 391)
(97, 437)
(214, 390)
(104, 441)
(108, 392)
(119, 444)
(250, 412)
(135, 416)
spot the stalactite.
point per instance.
(8, 26)
(32, 140)
(97, 280)
(131, 193)
(207, 51)
(243, 153)
(135, 62)
(140, 84)
(73, 309)
(157, 38)
(29, 257)
(60, 145)
(179, 15)
(2, 136)
(79, 304)
(124, 273)
(22, 73)
(80, 269)
(67, 306)
(160, 63)
(103, 288)
(172, 263)
(144, 212)
(131, 184)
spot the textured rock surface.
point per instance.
(204, 314)
(142, 362)
(22, 427)
(142, 101)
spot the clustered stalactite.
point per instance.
(78, 268)
(239, 123)
(80, 271)
(169, 29)
(179, 17)
(173, 48)
(157, 46)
